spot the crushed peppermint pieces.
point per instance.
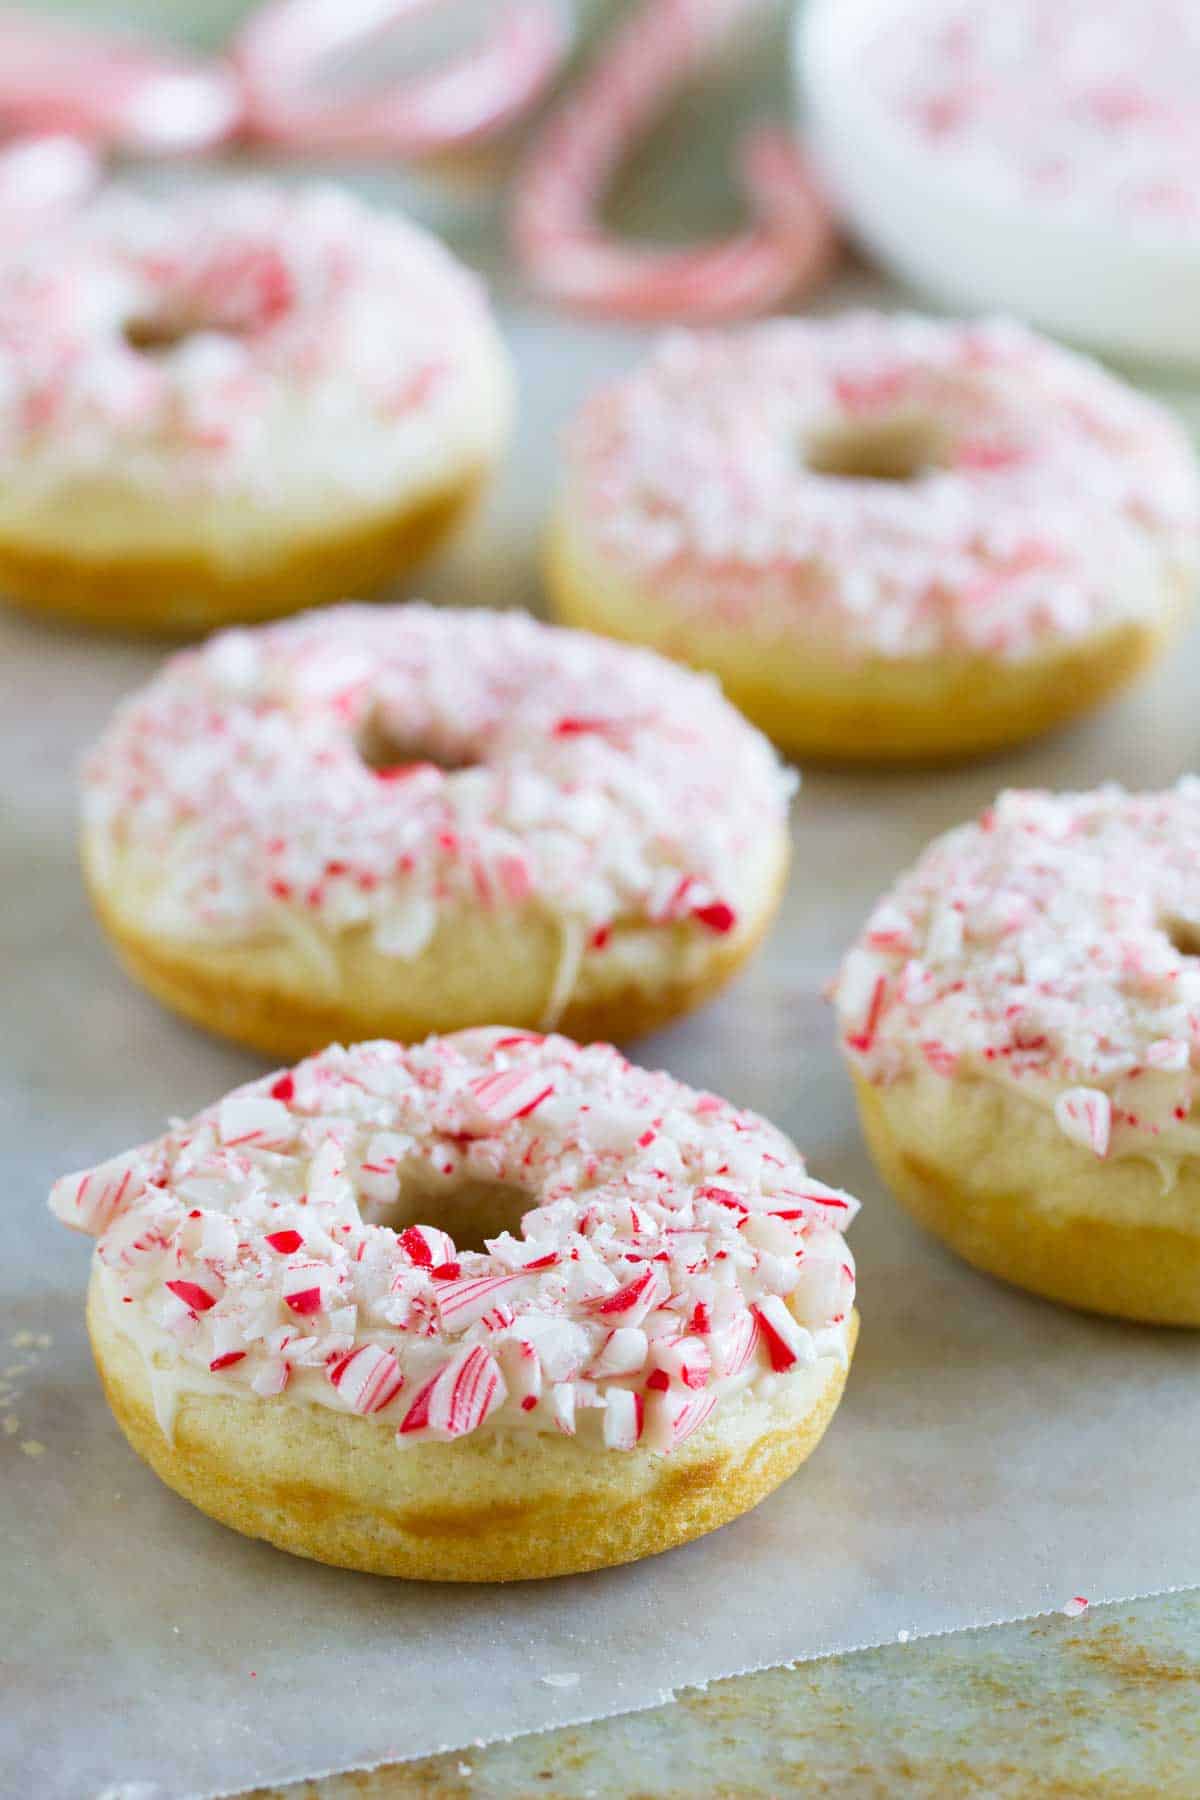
(1052, 946)
(1046, 501)
(241, 339)
(236, 782)
(674, 1251)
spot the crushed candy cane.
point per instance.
(743, 476)
(642, 1291)
(243, 784)
(239, 338)
(1054, 945)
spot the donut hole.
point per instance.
(896, 447)
(471, 1211)
(157, 337)
(384, 748)
(1184, 934)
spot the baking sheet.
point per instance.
(994, 1456)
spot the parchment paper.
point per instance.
(994, 1455)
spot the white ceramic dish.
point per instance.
(1135, 295)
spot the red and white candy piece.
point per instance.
(368, 1379)
(571, 257)
(286, 51)
(1085, 1116)
(92, 1200)
(459, 1397)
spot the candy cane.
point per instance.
(283, 49)
(571, 258)
(58, 77)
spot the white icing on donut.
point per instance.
(1088, 111)
(676, 1251)
(1043, 499)
(604, 785)
(237, 339)
(1050, 946)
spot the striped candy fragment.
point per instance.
(368, 1379)
(459, 1397)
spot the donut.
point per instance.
(1021, 1016)
(1040, 159)
(388, 821)
(233, 403)
(653, 1335)
(890, 537)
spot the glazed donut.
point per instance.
(889, 537)
(234, 403)
(386, 821)
(658, 1341)
(1021, 1019)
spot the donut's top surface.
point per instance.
(901, 485)
(675, 1251)
(378, 766)
(1055, 946)
(235, 338)
(1080, 109)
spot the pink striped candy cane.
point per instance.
(573, 259)
(283, 53)
(110, 89)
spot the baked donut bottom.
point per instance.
(990, 1174)
(337, 1488)
(179, 591)
(289, 997)
(814, 703)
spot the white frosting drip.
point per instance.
(605, 785)
(676, 1252)
(1046, 500)
(1051, 946)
